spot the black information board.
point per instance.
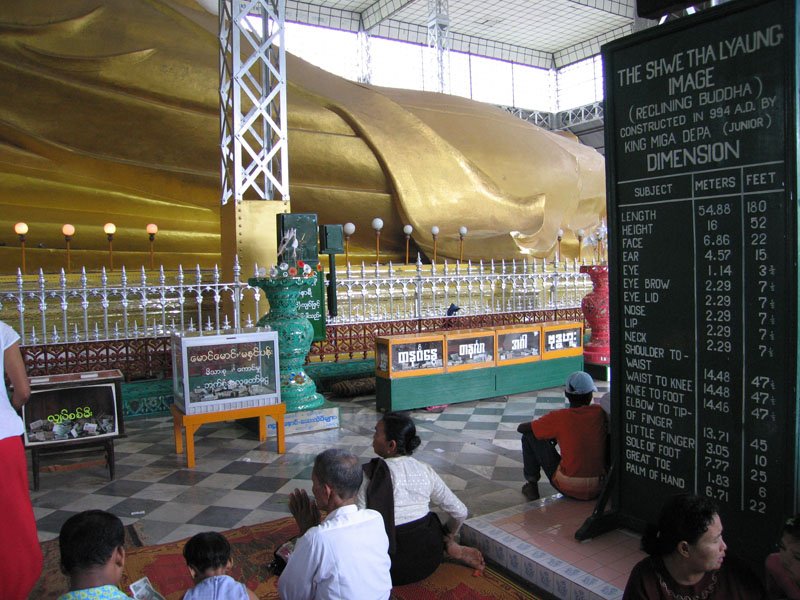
(700, 139)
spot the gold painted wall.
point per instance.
(108, 112)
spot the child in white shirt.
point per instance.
(208, 556)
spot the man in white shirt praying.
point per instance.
(346, 556)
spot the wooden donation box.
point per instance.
(72, 412)
(476, 364)
(213, 373)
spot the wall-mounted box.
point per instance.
(562, 338)
(73, 408)
(212, 373)
(331, 239)
(470, 349)
(519, 344)
(409, 355)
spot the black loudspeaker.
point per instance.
(331, 242)
(331, 239)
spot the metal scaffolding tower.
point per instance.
(439, 42)
(253, 129)
(364, 54)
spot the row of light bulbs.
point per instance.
(377, 225)
(21, 229)
(68, 230)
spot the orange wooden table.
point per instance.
(193, 422)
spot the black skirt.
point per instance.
(419, 549)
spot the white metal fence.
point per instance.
(82, 307)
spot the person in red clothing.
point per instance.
(20, 552)
(580, 432)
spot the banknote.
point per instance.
(142, 589)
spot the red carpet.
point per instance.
(253, 548)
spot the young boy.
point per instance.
(92, 545)
(208, 556)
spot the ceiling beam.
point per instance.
(588, 48)
(381, 10)
(620, 8)
(382, 25)
(334, 18)
(321, 16)
(468, 44)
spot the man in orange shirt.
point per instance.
(580, 432)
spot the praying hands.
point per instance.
(304, 510)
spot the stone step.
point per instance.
(535, 541)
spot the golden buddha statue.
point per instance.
(110, 114)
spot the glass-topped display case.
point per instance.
(219, 372)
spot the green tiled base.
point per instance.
(406, 393)
(150, 398)
(325, 374)
(515, 379)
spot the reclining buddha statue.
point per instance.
(110, 114)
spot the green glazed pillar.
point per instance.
(295, 334)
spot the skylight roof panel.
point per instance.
(533, 28)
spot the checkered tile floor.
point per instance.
(238, 481)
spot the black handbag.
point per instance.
(282, 554)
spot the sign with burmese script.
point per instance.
(225, 372)
(470, 349)
(311, 305)
(562, 338)
(519, 344)
(417, 355)
(410, 355)
(700, 139)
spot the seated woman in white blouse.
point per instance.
(402, 488)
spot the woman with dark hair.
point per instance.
(783, 567)
(687, 558)
(402, 488)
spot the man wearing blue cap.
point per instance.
(580, 432)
